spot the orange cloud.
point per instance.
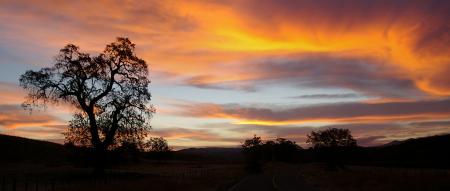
(367, 134)
(190, 137)
(411, 35)
(181, 133)
(11, 94)
(14, 120)
(216, 39)
(12, 116)
(339, 112)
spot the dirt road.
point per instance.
(278, 177)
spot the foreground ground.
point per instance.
(143, 176)
(375, 178)
(182, 175)
(27, 164)
(276, 176)
(307, 177)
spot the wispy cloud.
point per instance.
(15, 120)
(13, 116)
(326, 96)
(367, 134)
(185, 39)
(338, 112)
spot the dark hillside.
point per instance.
(18, 149)
(433, 151)
(430, 152)
(212, 153)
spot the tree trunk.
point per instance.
(99, 162)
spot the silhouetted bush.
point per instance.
(157, 148)
(256, 152)
(252, 149)
(285, 150)
(332, 145)
(156, 144)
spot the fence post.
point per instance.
(14, 184)
(26, 184)
(68, 185)
(3, 184)
(53, 184)
(37, 185)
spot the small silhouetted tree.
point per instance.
(157, 144)
(158, 148)
(252, 149)
(331, 138)
(257, 151)
(109, 92)
(280, 149)
(285, 150)
(332, 144)
(252, 144)
(268, 150)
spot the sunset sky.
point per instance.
(223, 71)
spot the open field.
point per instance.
(142, 176)
(375, 178)
(179, 175)
(25, 165)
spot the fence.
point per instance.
(44, 184)
(39, 183)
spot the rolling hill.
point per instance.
(18, 149)
(211, 153)
(433, 151)
(430, 151)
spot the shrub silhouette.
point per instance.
(157, 144)
(331, 138)
(157, 148)
(109, 91)
(285, 150)
(332, 144)
(252, 149)
(257, 151)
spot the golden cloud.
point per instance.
(203, 38)
(324, 113)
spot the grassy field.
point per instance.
(143, 176)
(42, 166)
(182, 175)
(375, 178)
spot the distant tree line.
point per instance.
(154, 148)
(257, 151)
(330, 145)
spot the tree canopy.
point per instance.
(331, 138)
(157, 144)
(279, 149)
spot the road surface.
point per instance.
(278, 177)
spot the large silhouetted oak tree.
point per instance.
(109, 91)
